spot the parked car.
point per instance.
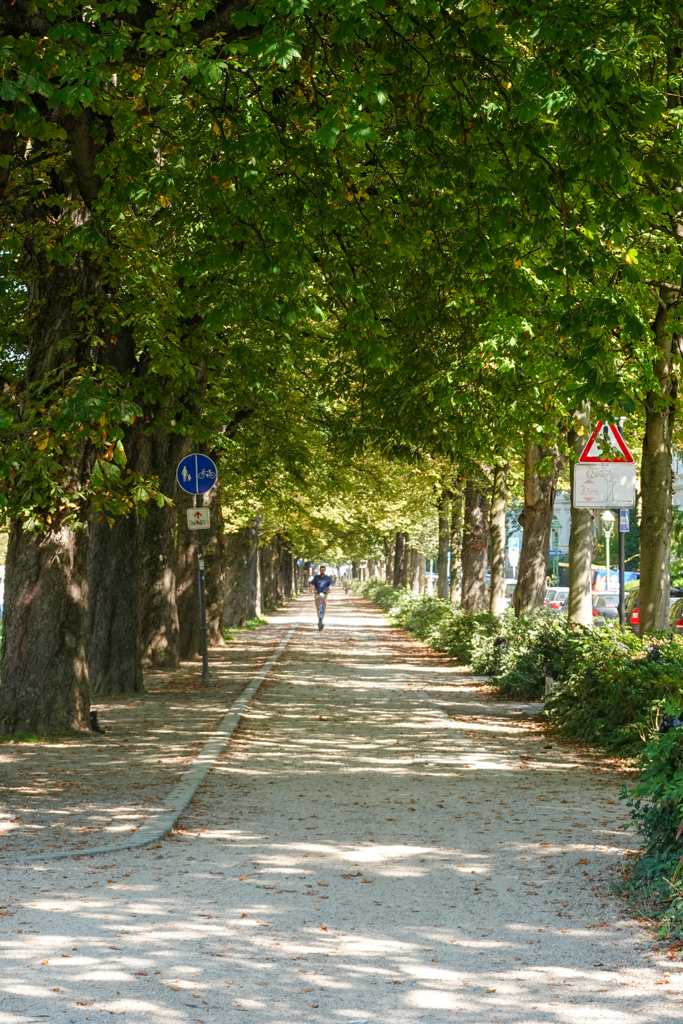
(605, 605)
(510, 585)
(555, 598)
(675, 609)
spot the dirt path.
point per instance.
(381, 842)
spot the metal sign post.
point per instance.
(206, 675)
(197, 474)
(624, 526)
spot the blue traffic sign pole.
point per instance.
(197, 474)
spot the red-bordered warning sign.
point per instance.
(606, 445)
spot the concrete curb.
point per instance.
(181, 794)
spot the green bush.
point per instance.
(656, 805)
(609, 683)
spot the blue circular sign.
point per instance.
(196, 473)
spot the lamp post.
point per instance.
(556, 528)
(607, 524)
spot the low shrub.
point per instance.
(656, 805)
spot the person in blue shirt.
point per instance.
(321, 584)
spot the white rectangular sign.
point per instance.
(605, 485)
(198, 518)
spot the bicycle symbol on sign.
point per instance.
(206, 474)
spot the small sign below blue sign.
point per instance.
(196, 473)
(624, 521)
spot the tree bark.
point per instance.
(114, 655)
(115, 577)
(287, 573)
(421, 573)
(455, 541)
(498, 503)
(656, 475)
(580, 606)
(405, 578)
(214, 570)
(235, 600)
(159, 623)
(536, 520)
(44, 684)
(269, 567)
(389, 548)
(442, 588)
(414, 580)
(475, 543)
(254, 598)
(399, 558)
(187, 582)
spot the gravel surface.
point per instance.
(455, 864)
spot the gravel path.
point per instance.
(382, 841)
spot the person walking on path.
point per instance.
(321, 584)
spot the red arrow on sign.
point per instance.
(606, 445)
(198, 515)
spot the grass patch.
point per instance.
(32, 737)
(235, 631)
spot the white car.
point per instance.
(555, 598)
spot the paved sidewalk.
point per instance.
(381, 842)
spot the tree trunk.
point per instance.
(288, 590)
(580, 607)
(235, 600)
(254, 599)
(655, 474)
(475, 543)
(414, 581)
(389, 548)
(455, 541)
(215, 570)
(159, 624)
(187, 582)
(399, 558)
(405, 578)
(442, 588)
(536, 520)
(114, 656)
(421, 586)
(44, 682)
(268, 567)
(498, 502)
(371, 567)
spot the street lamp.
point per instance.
(607, 524)
(556, 528)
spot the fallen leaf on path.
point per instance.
(366, 879)
(85, 1004)
(243, 878)
(356, 875)
(323, 927)
(490, 990)
(244, 915)
(44, 961)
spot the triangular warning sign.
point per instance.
(606, 445)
